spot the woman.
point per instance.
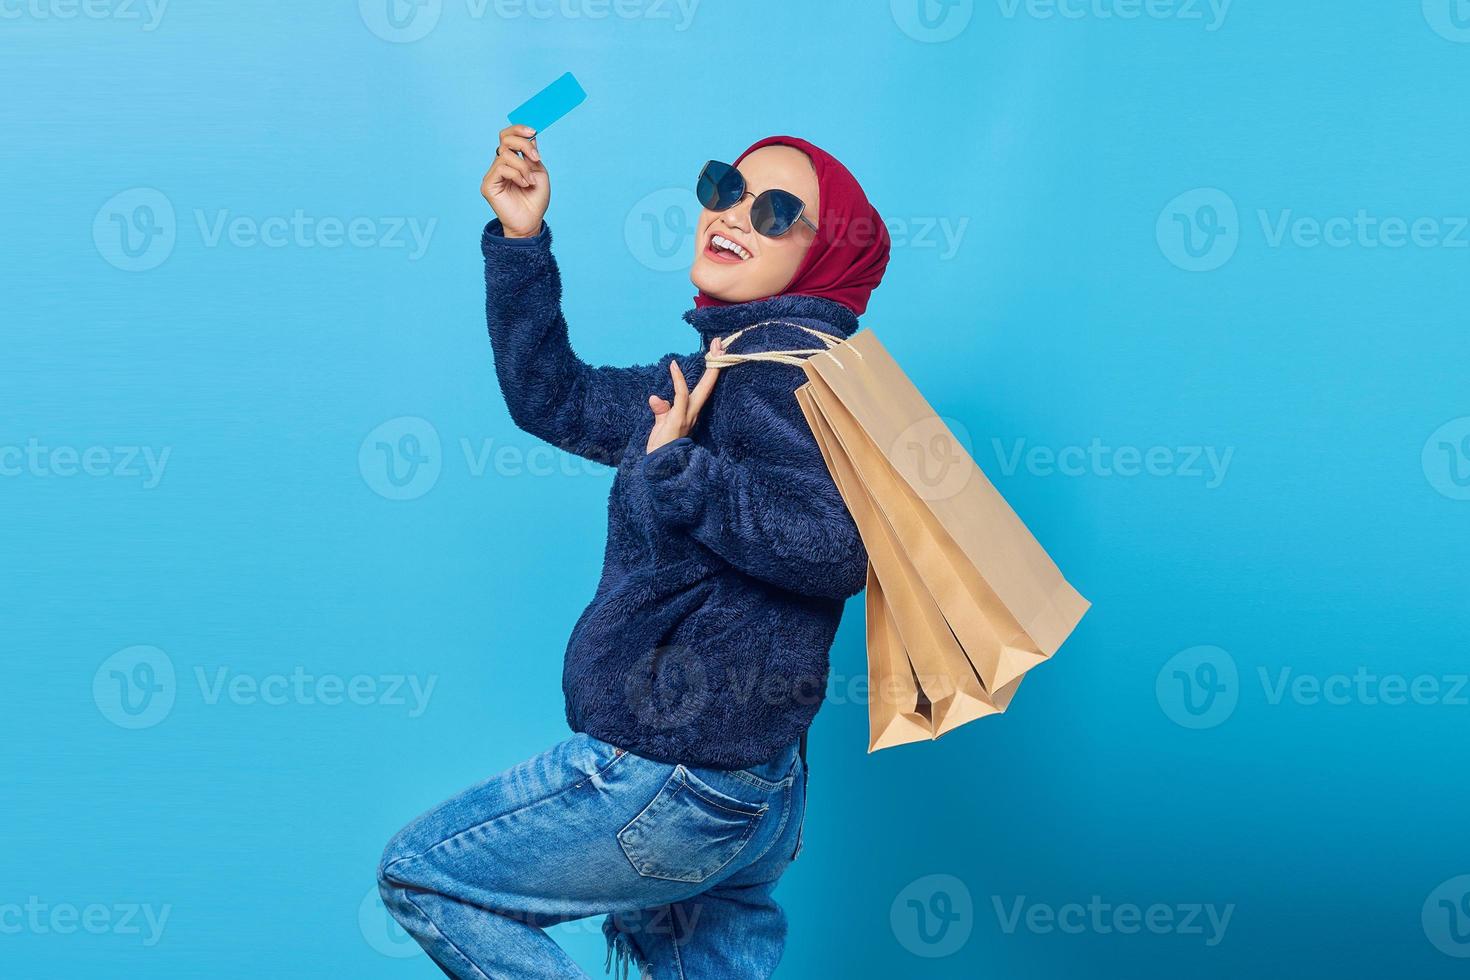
(692, 676)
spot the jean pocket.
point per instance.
(689, 831)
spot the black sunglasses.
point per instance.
(773, 213)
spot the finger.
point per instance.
(517, 170)
(503, 177)
(519, 144)
(703, 389)
(659, 406)
(681, 390)
(526, 132)
(518, 164)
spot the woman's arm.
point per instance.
(774, 514)
(550, 392)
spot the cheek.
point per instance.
(782, 258)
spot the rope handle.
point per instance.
(793, 357)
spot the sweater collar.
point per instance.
(718, 321)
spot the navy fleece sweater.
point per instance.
(729, 552)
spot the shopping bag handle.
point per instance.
(793, 357)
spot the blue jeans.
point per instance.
(681, 859)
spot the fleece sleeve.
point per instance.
(775, 514)
(551, 393)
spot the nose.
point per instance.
(739, 215)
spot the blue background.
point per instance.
(1054, 149)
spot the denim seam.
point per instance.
(761, 808)
(800, 827)
(678, 959)
(639, 815)
(758, 782)
(450, 942)
(617, 757)
(776, 837)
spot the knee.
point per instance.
(392, 864)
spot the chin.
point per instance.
(722, 283)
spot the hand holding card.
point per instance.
(517, 186)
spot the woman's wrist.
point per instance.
(509, 232)
(497, 236)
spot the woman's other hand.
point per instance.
(517, 184)
(675, 421)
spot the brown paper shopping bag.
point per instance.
(978, 621)
(897, 712)
(907, 614)
(1005, 599)
(962, 600)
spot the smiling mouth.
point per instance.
(722, 249)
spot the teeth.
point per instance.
(720, 241)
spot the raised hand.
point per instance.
(517, 184)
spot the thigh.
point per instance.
(567, 834)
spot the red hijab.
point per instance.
(847, 256)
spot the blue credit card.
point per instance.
(549, 104)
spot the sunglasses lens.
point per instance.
(773, 213)
(720, 186)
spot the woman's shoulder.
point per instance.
(797, 334)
